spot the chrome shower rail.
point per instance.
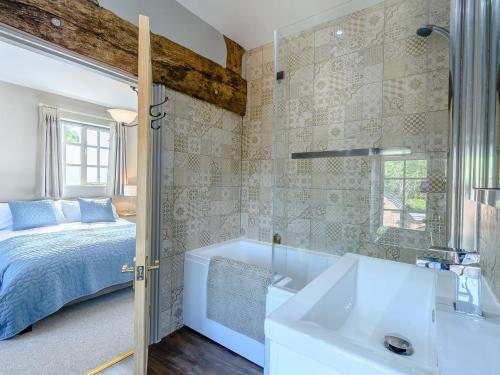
(373, 151)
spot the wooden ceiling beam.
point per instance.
(97, 33)
(234, 60)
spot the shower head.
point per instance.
(426, 30)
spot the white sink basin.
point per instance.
(336, 324)
(342, 317)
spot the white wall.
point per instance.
(18, 138)
(25, 67)
(171, 20)
(18, 108)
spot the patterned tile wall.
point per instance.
(257, 139)
(489, 246)
(364, 80)
(201, 190)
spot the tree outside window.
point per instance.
(404, 201)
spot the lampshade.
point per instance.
(130, 190)
(122, 115)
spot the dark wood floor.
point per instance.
(188, 353)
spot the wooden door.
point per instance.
(143, 217)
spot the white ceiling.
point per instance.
(31, 69)
(251, 23)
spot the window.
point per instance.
(405, 202)
(86, 154)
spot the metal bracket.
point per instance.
(129, 125)
(158, 116)
(151, 107)
(155, 266)
(161, 117)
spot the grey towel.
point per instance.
(236, 295)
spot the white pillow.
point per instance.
(115, 214)
(59, 212)
(71, 210)
(5, 216)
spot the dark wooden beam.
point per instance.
(97, 33)
(234, 57)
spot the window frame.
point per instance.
(84, 126)
(404, 211)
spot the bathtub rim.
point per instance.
(197, 252)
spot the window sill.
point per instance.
(85, 186)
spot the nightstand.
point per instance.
(128, 216)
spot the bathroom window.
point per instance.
(404, 201)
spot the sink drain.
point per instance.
(398, 345)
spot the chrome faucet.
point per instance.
(468, 271)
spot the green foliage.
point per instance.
(416, 204)
(415, 173)
(393, 169)
(71, 134)
(416, 168)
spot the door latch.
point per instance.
(155, 266)
(139, 270)
(139, 275)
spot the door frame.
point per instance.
(24, 40)
(143, 264)
(27, 41)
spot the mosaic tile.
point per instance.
(376, 84)
(255, 64)
(403, 17)
(301, 82)
(406, 57)
(439, 12)
(268, 60)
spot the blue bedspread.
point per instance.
(40, 273)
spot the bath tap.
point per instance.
(468, 281)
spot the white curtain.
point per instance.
(49, 179)
(117, 177)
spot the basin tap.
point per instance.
(468, 281)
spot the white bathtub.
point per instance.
(299, 266)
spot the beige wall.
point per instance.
(18, 143)
(376, 84)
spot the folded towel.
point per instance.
(236, 295)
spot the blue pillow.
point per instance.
(96, 210)
(32, 214)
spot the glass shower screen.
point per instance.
(360, 137)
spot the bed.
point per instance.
(43, 269)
